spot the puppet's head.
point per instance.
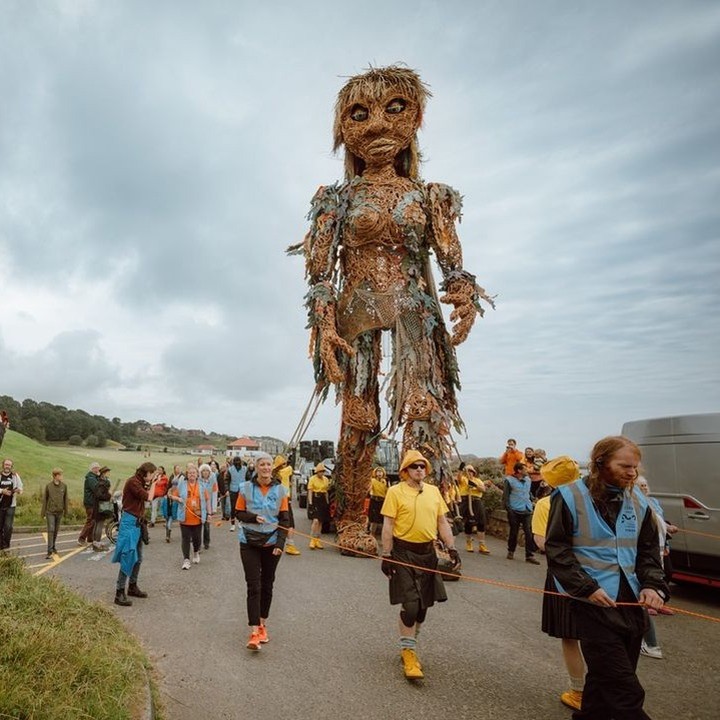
(377, 116)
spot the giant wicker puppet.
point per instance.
(367, 257)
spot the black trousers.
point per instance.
(259, 565)
(190, 533)
(516, 520)
(612, 689)
(233, 501)
(206, 534)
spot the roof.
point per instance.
(206, 447)
(245, 442)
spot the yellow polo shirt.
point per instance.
(416, 514)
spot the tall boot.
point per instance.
(121, 598)
(135, 591)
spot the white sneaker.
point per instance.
(232, 527)
(652, 651)
(196, 558)
(186, 564)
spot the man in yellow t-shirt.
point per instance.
(414, 515)
(283, 472)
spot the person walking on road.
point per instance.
(209, 488)
(193, 511)
(91, 478)
(282, 471)
(602, 547)
(557, 620)
(519, 508)
(102, 507)
(128, 550)
(471, 490)
(237, 472)
(54, 508)
(414, 514)
(318, 504)
(262, 509)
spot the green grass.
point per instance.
(34, 463)
(63, 658)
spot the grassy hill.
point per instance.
(34, 463)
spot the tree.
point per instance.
(74, 440)
(32, 427)
(91, 441)
(101, 438)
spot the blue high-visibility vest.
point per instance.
(604, 554)
(267, 506)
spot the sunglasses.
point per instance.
(416, 466)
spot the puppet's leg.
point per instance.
(358, 439)
(423, 391)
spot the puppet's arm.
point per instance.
(321, 254)
(460, 288)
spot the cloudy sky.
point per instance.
(157, 158)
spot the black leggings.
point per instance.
(259, 565)
(190, 533)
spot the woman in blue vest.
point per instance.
(602, 548)
(262, 509)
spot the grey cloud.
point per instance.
(71, 370)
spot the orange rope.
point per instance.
(697, 532)
(498, 583)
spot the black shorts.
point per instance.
(319, 508)
(477, 518)
(411, 584)
(374, 514)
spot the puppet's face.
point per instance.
(376, 130)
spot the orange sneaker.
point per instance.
(262, 634)
(254, 641)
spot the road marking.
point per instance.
(59, 560)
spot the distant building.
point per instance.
(204, 450)
(241, 446)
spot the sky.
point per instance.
(156, 159)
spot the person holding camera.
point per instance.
(138, 490)
(511, 456)
(414, 514)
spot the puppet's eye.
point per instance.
(359, 113)
(395, 106)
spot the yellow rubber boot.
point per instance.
(411, 664)
(482, 548)
(468, 544)
(291, 550)
(312, 543)
(318, 544)
(572, 698)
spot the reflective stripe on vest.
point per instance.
(602, 552)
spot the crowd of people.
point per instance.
(604, 538)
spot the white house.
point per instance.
(241, 447)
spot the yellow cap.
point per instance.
(319, 468)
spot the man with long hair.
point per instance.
(602, 548)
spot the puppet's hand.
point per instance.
(330, 342)
(462, 295)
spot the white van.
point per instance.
(681, 461)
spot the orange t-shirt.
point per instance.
(509, 458)
(193, 509)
